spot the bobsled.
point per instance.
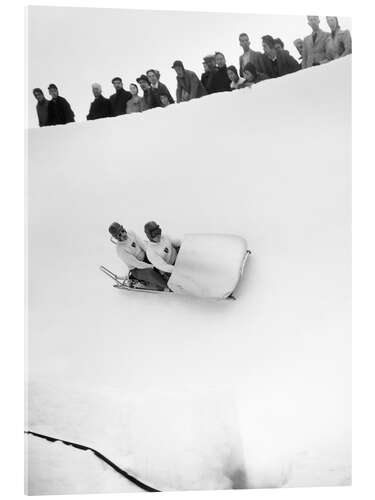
(208, 266)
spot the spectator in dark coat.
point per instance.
(157, 87)
(279, 44)
(222, 75)
(120, 98)
(100, 106)
(149, 99)
(277, 62)
(249, 55)
(41, 107)
(188, 84)
(59, 110)
(210, 78)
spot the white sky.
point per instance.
(74, 47)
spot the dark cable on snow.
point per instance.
(132, 479)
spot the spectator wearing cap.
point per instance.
(41, 107)
(236, 81)
(314, 45)
(249, 55)
(252, 76)
(210, 78)
(149, 99)
(59, 110)
(135, 104)
(120, 98)
(100, 106)
(223, 82)
(157, 87)
(277, 62)
(188, 84)
(339, 42)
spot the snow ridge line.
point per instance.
(132, 479)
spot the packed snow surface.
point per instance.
(187, 393)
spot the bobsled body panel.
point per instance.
(208, 265)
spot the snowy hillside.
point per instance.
(186, 393)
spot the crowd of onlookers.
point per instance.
(317, 48)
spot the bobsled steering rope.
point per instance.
(131, 478)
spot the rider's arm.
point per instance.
(158, 262)
(132, 261)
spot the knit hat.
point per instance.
(115, 229)
(152, 229)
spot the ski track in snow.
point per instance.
(184, 393)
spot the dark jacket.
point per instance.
(118, 102)
(162, 89)
(99, 108)
(42, 111)
(150, 100)
(59, 111)
(222, 80)
(212, 81)
(189, 87)
(253, 57)
(283, 64)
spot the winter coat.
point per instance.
(163, 254)
(222, 80)
(134, 105)
(283, 64)
(338, 44)
(132, 252)
(42, 111)
(215, 81)
(59, 111)
(161, 89)
(149, 100)
(118, 102)
(99, 108)
(253, 57)
(189, 87)
(314, 52)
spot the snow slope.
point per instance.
(178, 389)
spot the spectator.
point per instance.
(252, 76)
(277, 62)
(279, 44)
(100, 106)
(135, 104)
(59, 110)
(120, 98)
(188, 84)
(210, 78)
(249, 55)
(314, 45)
(149, 100)
(157, 87)
(339, 42)
(236, 80)
(222, 75)
(41, 107)
(164, 100)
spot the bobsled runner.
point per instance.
(207, 266)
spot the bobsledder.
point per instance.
(207, 266)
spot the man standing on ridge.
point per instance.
(41, 107)
(249, 55)
(188, 84)
(59, 110)
(314, 45)
(120, 98)
(100, 106)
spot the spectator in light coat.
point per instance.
(41, 107)
(339, 42)
(249, 55)
(100, 106)
(277, 62)
(135, 104)
(188, 84)
(59, 110)
(314, 45)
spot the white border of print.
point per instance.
(12, 223)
